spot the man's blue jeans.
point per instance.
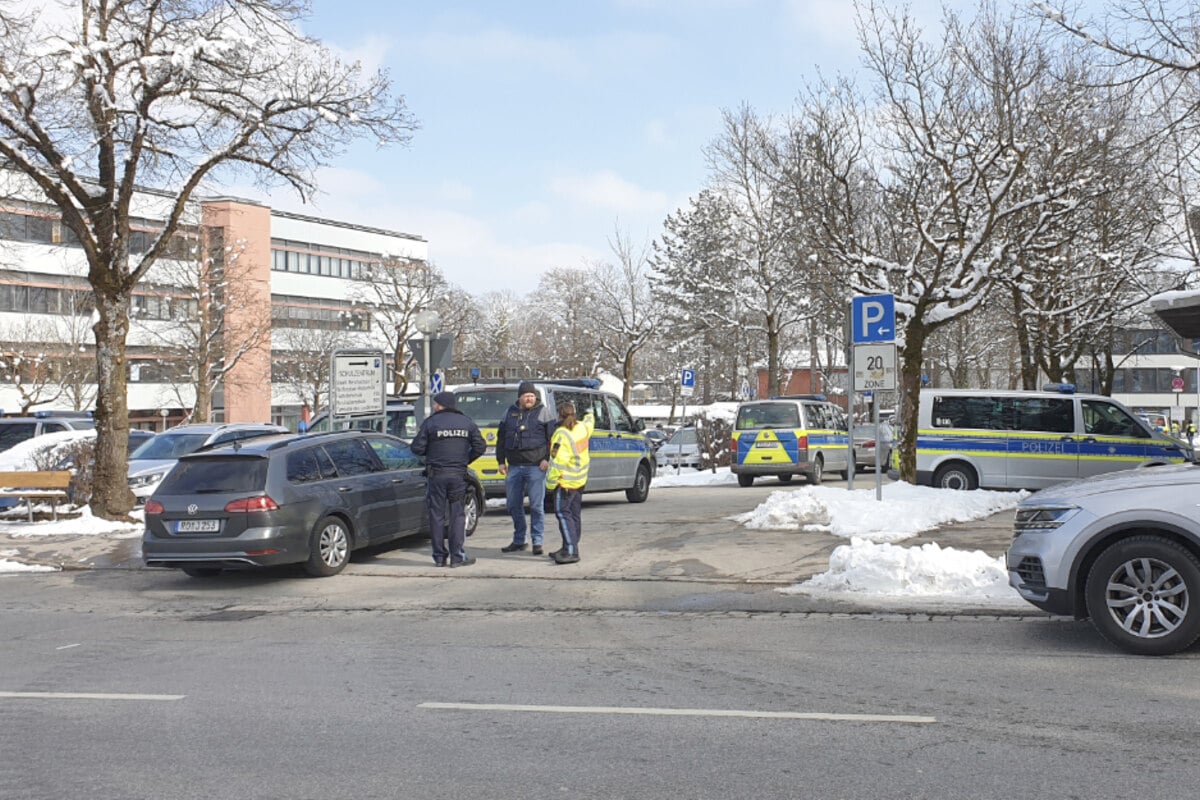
(526, 481)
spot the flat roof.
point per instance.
(1179, 311)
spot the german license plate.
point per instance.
(198, 526)
(765, 445)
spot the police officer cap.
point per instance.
(446, 400)
(526, 388)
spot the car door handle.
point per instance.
(345, 489)
(399, 480)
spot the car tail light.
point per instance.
(869, 443)
(248, 504)
(732, 445)
(802, 442)
(153, 507)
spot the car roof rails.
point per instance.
(820, 397)
(64, 414)
(582, 383)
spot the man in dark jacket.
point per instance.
(449, 441)
(523, 453)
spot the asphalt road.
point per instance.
(665, 665)
(191, 703)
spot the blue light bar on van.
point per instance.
(820, 397)
(1061, 388)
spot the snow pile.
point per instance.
(16, 566)
(86, 524)
(905, 510)
(928, 571)
(20, 457)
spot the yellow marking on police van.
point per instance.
(766, 449)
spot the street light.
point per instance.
(428, 322)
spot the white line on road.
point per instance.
(683, 712)
(66, 647)
(87, 696)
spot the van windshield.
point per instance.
(485, 407)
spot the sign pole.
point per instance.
(851, 394)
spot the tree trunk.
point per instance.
(1024, 345)
(202, 410)
(772, 357)
(910, 399)
(111, 497)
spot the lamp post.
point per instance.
(428, 322)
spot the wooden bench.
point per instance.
(30, 486)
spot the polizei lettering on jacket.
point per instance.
(456, 433)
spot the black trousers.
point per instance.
(568, 509)
(445, 491)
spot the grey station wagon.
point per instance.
(289, 499)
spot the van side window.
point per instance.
(815, 417)
(982, 413)
(1043, 414)
(621, 421)
(1105, 419)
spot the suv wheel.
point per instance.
(1139, 595)
(955, 475)
(817, 472)
(641, 486)
(745, 480)
(328, 548)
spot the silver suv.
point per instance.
(1121, 548)
(154, 459)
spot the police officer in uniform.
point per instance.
(449, 441)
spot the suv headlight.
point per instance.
(1041, 520)
(146, 480)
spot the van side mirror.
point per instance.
(639, 424)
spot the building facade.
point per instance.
(292, 291)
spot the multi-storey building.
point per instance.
(294, 292)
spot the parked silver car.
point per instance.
(682, 449)
(1122, 548)
(150, 463)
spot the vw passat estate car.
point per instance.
(1121, 548)
(289, 499)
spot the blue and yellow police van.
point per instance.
(970, 438)
(622, 458)
(790, 435)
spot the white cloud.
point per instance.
(608, 191)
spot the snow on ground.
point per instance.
(16, 566)
(905, 510)
(871, 564)
(20, 457)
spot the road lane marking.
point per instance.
(683, 712)
(67, 646)
(87, 696)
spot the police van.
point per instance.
(622, 458)
(968, 439)
(790, 435)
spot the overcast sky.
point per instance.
(545, 125)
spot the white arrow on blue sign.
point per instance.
(873, 319)
(687, 378)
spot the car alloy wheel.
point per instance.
(1139, 595)
(329, 549)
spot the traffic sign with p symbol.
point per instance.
(873, 319)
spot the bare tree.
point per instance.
(28, 362)
(166, 94)
(302, 362)
(623, 310)
(198, 341)
(562, 322)
(395, 290)
(947, 149)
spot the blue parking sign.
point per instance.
(873, 319)
(687, 378)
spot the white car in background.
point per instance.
(682, 449)
(151, 462)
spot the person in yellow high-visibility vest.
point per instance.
(568, 472)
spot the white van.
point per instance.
(968, 439)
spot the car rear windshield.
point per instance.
(170, 445)
(485, 407)
(683, 436)
(768, 415)
(216, 475)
